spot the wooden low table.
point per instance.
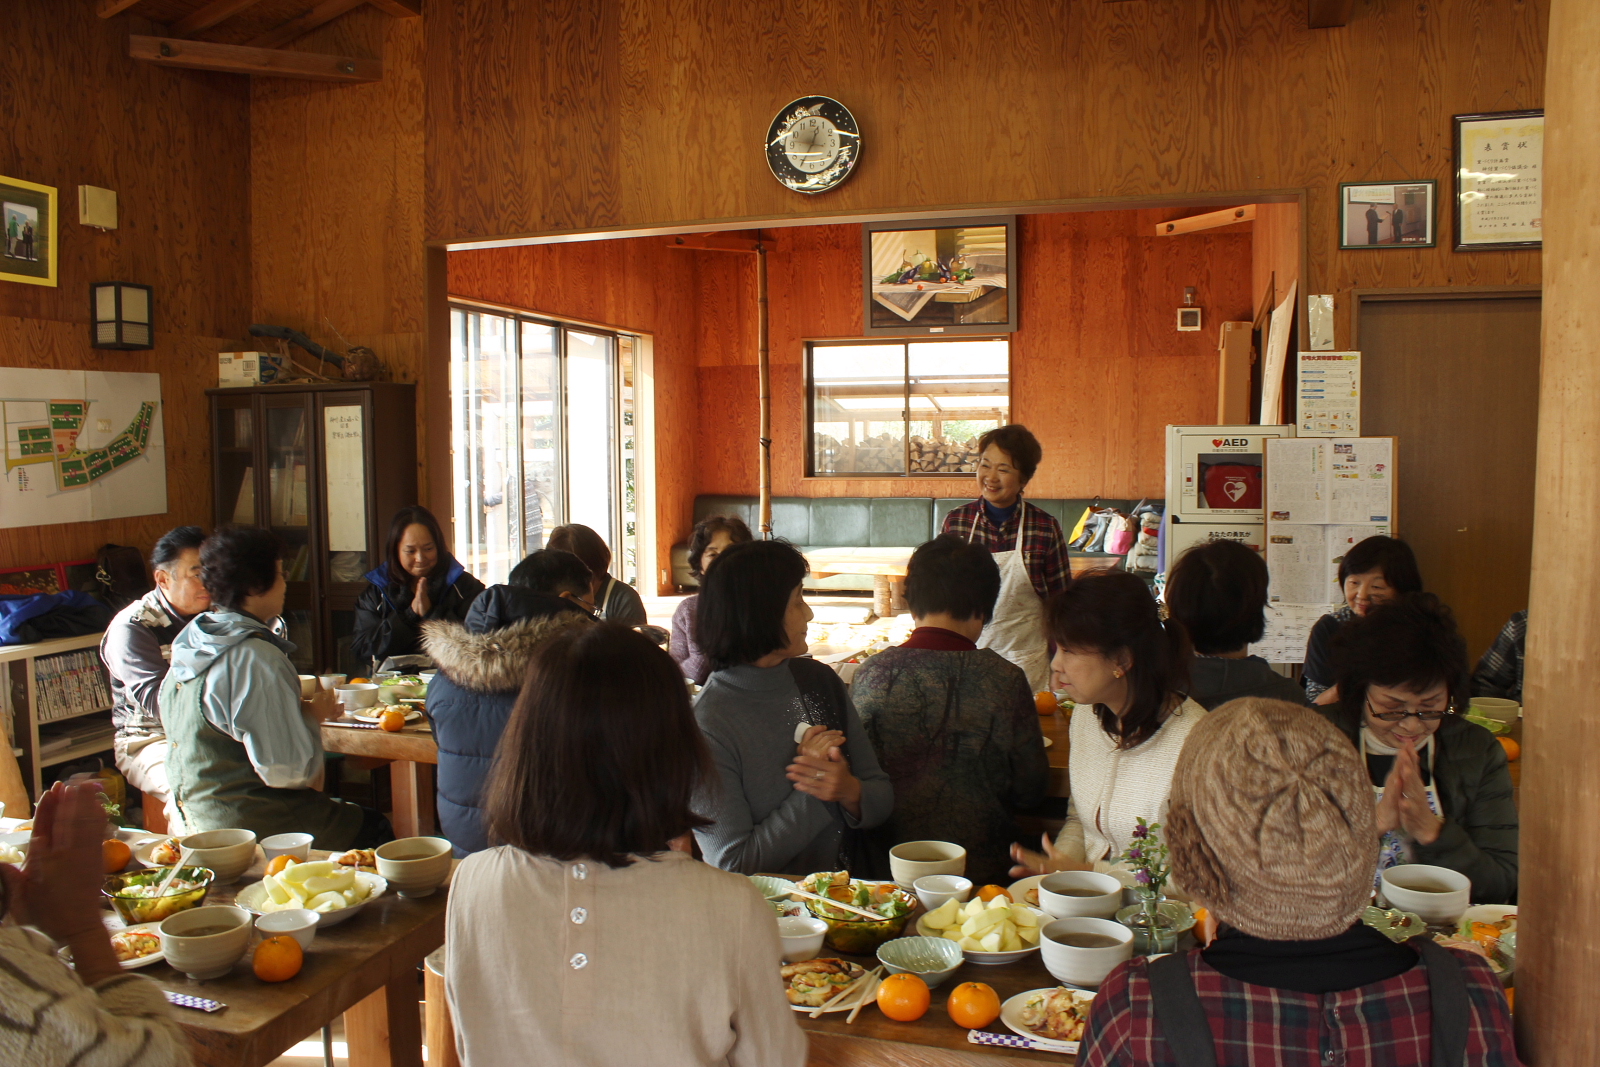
(887, 566)
(365, 968)
(413, 754)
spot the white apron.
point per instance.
(1016, 630)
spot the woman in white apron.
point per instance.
(1027, 544)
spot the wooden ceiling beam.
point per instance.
(111, 8)
(242, 59)
(400, 9)
(208, 15)
(296, 28)
(1209, 221)
(1328, 14)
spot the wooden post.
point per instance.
(1558, 951)
(764, 372)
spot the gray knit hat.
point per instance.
(1271, 825)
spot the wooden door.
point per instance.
(1456, 377)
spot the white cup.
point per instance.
(935, 889)
(1079, 966)
(332, 681)
(296, 845)
(802, 937)
(911, 860)
(308, 686)
(1496, 708)
(1437, 894)
(1098, 896)
(297, 923)
(359, 695)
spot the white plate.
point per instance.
(128, 965)
(1011, 1015)
(142, 852)
(359, 716)
(990, 959)
(1020, 887)
(250, 897)
(849, 1000)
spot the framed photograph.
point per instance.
(1387, 214)
(28, 230)
(1499, 180)
(943, 276)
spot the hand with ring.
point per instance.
(827, 778)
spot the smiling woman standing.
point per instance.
(420, 580)
(1027, 545)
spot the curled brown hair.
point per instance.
(602, 754)
(1110, 612)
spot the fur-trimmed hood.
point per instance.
(495, 662)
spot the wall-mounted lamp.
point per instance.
(1188, 315)
(119, 315)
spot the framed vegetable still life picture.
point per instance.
(1499, 180)
(28, 227)
(1387, 214)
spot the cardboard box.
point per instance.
(238, 369)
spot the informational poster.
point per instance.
(1288, 630)
(1297, 480)
(1500, 179)
(1276, 358)
(343, 446)
(1329, 394)
(1297, 559)
(80, 446)
(1348, 480)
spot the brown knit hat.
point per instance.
(1271, 822)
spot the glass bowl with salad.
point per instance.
(851, 933)
(402, 687)
(134, 894)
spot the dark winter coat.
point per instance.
(385, 624)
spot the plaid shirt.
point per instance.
(1044, 550)
(1386, 1024)
(1499, 672)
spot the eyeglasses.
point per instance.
(1422, 714)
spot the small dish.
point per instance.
(415, 866)
(356, 695)
(1393, 923)
(772, 888)
(206, 942)
(138, 961)
(1011, 1015)
(801, 936)
(362, 715)
(849, 1000)
(933, 959)
(936, 889)
(229, 853)
(296, 845)
(297, 923)
(14, 846)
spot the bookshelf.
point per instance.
(57, 704)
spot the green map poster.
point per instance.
(80, 446)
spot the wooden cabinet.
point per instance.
(60, 702)
(324, 467)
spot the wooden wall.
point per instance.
(174, 145)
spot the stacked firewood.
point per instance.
(939, 455)
(885, 454)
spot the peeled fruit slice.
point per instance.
(990, 941)
(301, 872)
(944, 915)
(973, 908)
(1029, 935)
(970, 945)
(327, 902)
(275, 889)
(1009, 941)
(1024, 917)
(954, 934)
(338, 881)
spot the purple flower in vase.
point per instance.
(1136, 854)
(1141, 831)
(1142, 877)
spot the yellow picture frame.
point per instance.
(28, 232)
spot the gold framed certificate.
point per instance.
(1499, 180)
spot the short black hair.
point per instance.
(706, 530)
(1218, 590)
(739, 616)
(237, 562)
(1018, 442)
(406, 517)
(1390, 555)
(1411, 641)
(552, 572)
(174, 543)
(953, 577)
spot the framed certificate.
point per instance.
(1499, 180)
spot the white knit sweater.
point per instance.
(50, 1019)
(1112, 787)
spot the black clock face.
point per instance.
(813, 144)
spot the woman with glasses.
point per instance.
(1442, 784)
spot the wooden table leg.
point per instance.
(897, 596)
(440, 1028)
(411, 788)
(882, 597)
(386, 1028)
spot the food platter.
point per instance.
(1011, 1015)
(360, 714)
(139, 961)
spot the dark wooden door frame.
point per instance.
(1432, 292)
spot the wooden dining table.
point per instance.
(365, 968)
(412, 752)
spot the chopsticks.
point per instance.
(853, 987)
(872, 977)
(874, 916)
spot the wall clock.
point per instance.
(813, 144)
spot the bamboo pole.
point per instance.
(764, 372)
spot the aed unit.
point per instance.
(1217, 473)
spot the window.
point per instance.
(535, 410)
(904, 408)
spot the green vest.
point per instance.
(217, 788)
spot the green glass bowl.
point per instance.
(135, 910)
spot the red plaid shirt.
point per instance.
(1043, 548)
(1385, 1024)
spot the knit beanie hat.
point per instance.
(1271, 821)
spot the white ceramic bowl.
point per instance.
(933, 959)
(17, 839)
(936, 889)
(210, 955)
(772, 888)
(801, 936)
(251, 897)
(991, 958)
(332, 681)
(911, 860)
(1097, 896)
(228, 853)
(1496, 708)
(308, 686)
(1085, 968)
(296, 845)
(415, 865)
(358, 695)
(1437, 894)
(297, 923)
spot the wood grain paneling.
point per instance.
(174, 146)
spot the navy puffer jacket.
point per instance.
(470, 702)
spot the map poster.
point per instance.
(80, 446)
(1500, 180)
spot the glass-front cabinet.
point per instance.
(324, 467)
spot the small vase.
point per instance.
(1156, 924)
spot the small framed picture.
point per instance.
(1499, 180)
(1387, 214)
(27, 232)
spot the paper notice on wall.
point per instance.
(1360, 480)
(1288, 630)
(347, 494)
(1337, 540)
(1297, 480)
(1297, 560)
(1276, 358)
(1328, 385)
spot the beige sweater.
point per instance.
(667, 961)
(1112, 787)
(50, 1019)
